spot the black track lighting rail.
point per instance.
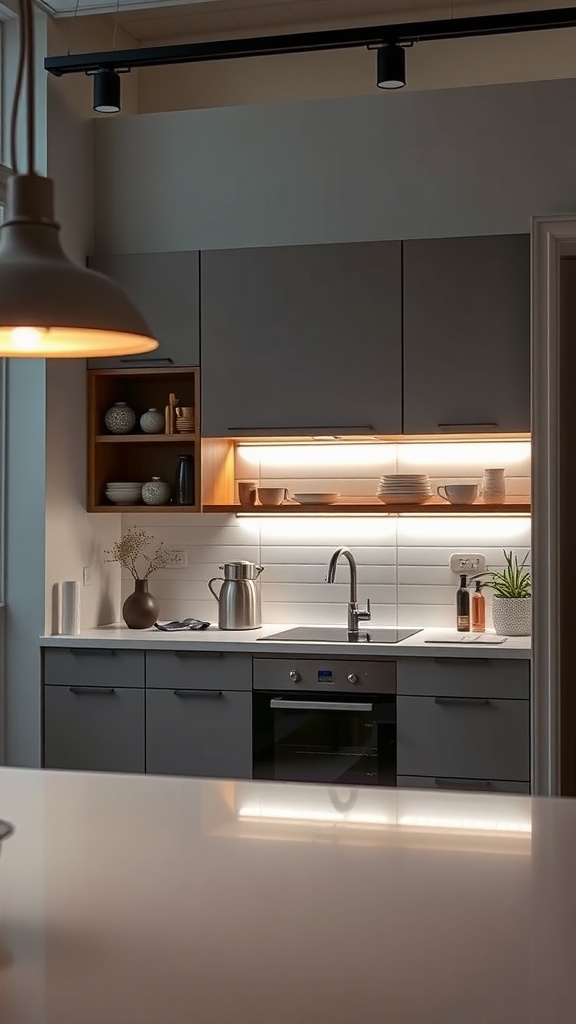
(310, 42)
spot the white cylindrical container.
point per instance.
(70, 608)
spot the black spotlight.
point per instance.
(391, 66)
(107, 92)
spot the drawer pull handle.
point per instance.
(462, 783)
(457, 662)
(461, 700)
(90, 650)
(81, 690)
(150, 359)
(199, 654)
(457, 427)
(197, 693)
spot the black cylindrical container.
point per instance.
(184, 484)
(463, 606)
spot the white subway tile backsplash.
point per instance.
(403, 561)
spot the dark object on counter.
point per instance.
(184, 484)
(168, 627)
(140, 609)
(463, 607)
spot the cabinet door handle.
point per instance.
(461, 700)
(149, 359)
(338, 428)
(81, 690)
(463, 427)
(197, 693)
(462, 783)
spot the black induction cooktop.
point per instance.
(339, 634)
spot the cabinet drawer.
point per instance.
(94, 728)
(93, 666)
(199, 732)
(463, 737)
(213, 670)
(462, 785)
(464, 677)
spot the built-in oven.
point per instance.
(325, 721)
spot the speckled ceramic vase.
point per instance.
(512, 616)
(152, 422)
(120, 418)
(140, 610)
(156, 492)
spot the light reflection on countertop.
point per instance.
(168, 901)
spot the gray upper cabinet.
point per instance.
(302, 340)
(467, 334)
(165, 288)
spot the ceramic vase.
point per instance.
(512, 616)
(120, 418)
(152, 422)
(494, 486)
(156, 492)
(140, 610)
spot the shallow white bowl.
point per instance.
(317, 498)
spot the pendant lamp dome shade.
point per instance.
(49, 306)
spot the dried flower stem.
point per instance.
(131, 548)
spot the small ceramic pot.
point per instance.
(152, 422)
(512, 616)
(120, 418)
(156, 492)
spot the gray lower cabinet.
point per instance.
(467, 334)
(165, 288)
(463, 737)
(463, 785)
(93, 666)
(199, 732)
(198, 670)
(94, 728)
(302, 340)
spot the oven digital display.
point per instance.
(325, 675)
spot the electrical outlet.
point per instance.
(469, 564)
(180, 560)
(87, 576)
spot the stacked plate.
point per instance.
(404, 488)
(124, 492)
(185, 424)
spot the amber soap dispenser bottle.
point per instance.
(463, 607)
(478, 610)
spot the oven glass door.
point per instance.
(337, 738)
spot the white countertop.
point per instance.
(249, 641)
(140, 900)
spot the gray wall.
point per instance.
(448, 162)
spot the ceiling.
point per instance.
(149, 20)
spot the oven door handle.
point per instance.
(318, 705)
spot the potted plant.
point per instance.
(140, 609)
(512, 604)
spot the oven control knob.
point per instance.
(352, 678)
(294, 676)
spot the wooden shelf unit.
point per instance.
(139, 456)
(512, 506)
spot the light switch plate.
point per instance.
(466, 563)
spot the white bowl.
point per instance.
(317, 498)
(127, 485)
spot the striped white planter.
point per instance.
(512, 616)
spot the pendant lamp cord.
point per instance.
(25, 66)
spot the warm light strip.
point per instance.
(292, 814)
(447, 454)
(464, 824)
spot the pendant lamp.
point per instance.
(51, 307)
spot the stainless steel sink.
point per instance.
(339, 634)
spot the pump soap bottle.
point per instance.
(478, 609)
(463, 607)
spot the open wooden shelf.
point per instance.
(512, 506)
(145, 438)
(151, 509)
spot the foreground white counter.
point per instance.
(137, 900)
(254, 641)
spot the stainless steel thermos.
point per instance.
(238, 599)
